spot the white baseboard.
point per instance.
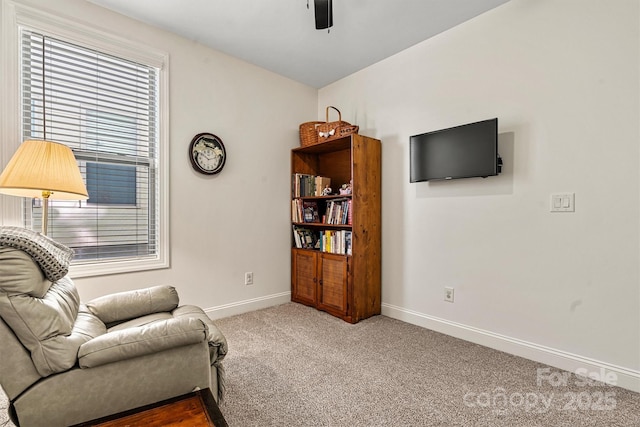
(248, 305)
(620, 376)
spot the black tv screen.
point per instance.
(465, 151)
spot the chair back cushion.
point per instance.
(52, 257)
(45, 316)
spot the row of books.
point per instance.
(332, 241)
(305, 185)
(337, 211)
(335, 241)
(304, 211)
(305, 238)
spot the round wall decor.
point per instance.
(207, 153)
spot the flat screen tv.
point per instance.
(465, 151)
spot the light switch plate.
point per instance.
(563, 202)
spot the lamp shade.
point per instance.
(43, 166)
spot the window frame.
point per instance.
(16, 16)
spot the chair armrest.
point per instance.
(140, 341)
(217, 340)
(127, 305)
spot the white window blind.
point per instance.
(106, 110)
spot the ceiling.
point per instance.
(280, 35)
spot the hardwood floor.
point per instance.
(197, 409)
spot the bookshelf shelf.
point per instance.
(333, 196)
(336, 243)
(323, 225)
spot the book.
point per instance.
(335, 241)
(297, 212)
(296, 238)
(347, 242)
(294, 210)
(306, 185)
(305, 238)
(303, 185)
(337, 211)
(310, 211)
(321, 182)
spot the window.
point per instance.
(108, 183)
(111, 185)
(107, 109)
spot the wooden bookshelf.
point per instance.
(344, 284)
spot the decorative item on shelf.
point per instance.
(312, 133)
(308, 133)
(337, 129)
(207, 153)
(326, 191)
(322, 182)
(346, 188)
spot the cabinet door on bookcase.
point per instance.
(304, 272)
(333, 283)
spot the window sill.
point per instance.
(106, 268)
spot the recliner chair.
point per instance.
(63, 362)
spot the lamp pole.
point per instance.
(45, 210)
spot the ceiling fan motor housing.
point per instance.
(324, 14)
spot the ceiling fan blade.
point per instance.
(324, 14)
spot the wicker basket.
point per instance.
(308, 133)
(314, 132)
(333, 130)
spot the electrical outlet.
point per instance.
(248, 278)
(448, 294)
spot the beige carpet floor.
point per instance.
(291, 365)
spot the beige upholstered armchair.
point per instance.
(63, 362)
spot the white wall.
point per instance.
(562, 76)
(234, 222)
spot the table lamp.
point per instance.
(46, 170)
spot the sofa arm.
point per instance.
(217, 341)
(127, 305)
(134, 342)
